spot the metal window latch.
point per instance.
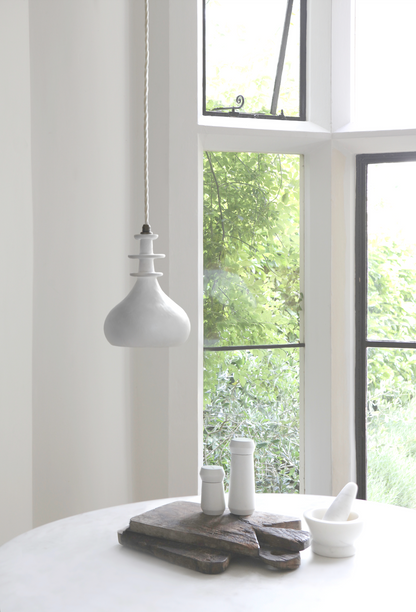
(240, 101)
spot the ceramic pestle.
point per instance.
(340, 508)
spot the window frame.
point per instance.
(361, 307)
(312, 140)
(299, 345)
(302, 75)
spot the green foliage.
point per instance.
(391, 291)
(252, 296)
(255, 394)
(391, 455)
(391, 375)
(391, 378)
(251, 249)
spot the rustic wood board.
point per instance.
(265, 519)
(185, 522)
(280, 559)
(205, 560)
(287, 539)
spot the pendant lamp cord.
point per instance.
(146, 226)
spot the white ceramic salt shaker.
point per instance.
(212, 493)
(241, 495)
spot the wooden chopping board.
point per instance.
(205, 560)
(269, 538)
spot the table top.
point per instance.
(76, 564)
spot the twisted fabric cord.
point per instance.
(146, 116)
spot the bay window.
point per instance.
(328, 141)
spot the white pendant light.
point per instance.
(147, 317)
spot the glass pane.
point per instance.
(251, 249)
(254, 394)
(243, 41)
(391, 209)
(391, 426)
(385, 55)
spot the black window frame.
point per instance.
(302, 77)
(362, 341)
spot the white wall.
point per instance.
(15, 272)
(167, 382)
(107, 425)
(79, 62)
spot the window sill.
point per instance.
(357, 130)
(208, 122)
(233, 134)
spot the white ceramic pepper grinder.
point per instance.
(241, 495)
(212, 493)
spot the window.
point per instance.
(386, 324)
(252, 253)
(272, 357)
(255, 58)
(252, 311)
(328, 142)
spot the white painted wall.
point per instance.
(185, 218)
(79, 61)
(168, 382)
(107, 425)
(15, 272)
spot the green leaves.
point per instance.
(252, 296)
(391, 375)
(251, 248)
(391, 452)
(254, 394)
(391, 291)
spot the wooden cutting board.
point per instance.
(205, 560)
(185, 523)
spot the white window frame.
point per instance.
(329, 144)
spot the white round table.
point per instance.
(77, 565)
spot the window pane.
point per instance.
(391, 426)
(251, 249)
(243, 41)
(385, 87)
(391, 209)
(254, 394)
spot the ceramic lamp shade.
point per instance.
(147, 317)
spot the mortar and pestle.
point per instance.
(334, 530)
